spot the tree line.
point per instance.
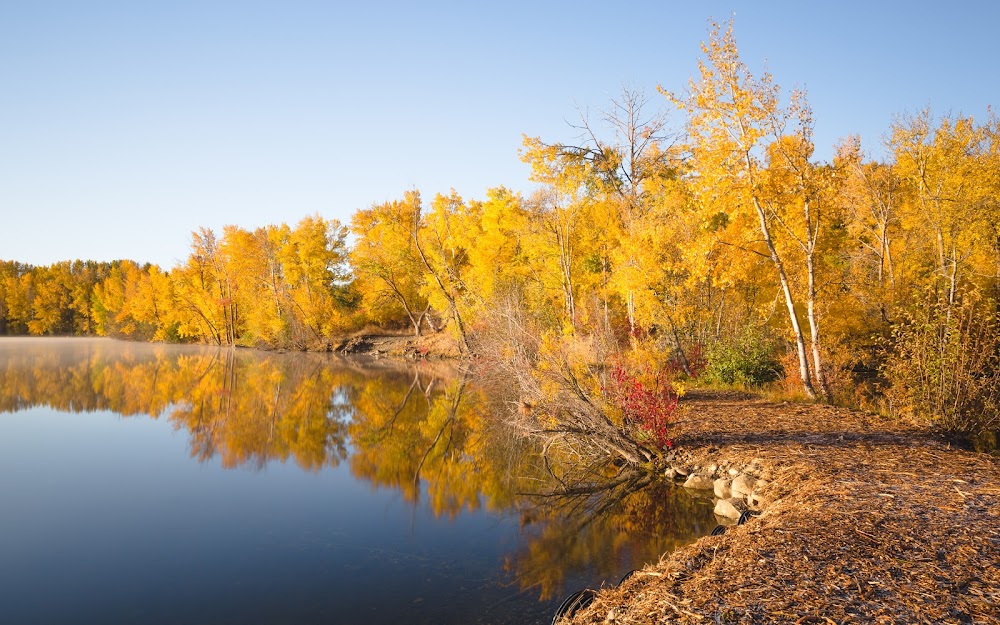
(276, 286)
(717, 245)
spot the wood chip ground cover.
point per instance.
(866, 521)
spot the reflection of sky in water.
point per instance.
(109, 519)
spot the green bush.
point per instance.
(746, 360)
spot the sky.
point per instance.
(126, 126)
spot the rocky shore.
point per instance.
(736, 488)
(859, 519)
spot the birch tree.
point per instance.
(736, 124)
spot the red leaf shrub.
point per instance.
(648, 406)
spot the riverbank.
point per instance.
(863, 520)
(438, 345)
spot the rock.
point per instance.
(734, 472)
(712, 468)
(699, 482)
(682, 471)
(670, 473)
(729, 508)
(722, 490)
(743, 485)
(756, 499)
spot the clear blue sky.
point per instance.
(125, 126)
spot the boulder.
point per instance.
(682, 471)
(699, 482)
(670, 473)
(729, 508)
(743, 485)
(721, 487)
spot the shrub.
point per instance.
(943, 366)
(749, 360)
(646, 405)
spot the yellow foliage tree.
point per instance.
(740, 142)
(385, 261)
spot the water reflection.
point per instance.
(435, 429)
(425, 432)
(405, 425)
(248, 408)
(603, 528)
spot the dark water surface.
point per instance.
(174, 484)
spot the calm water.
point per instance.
(168, 484)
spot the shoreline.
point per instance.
(862, 519)
(406, 347)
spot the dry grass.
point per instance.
(868, 521)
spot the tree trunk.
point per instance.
(427, 317)
(814, 329)
(718, 319)
(565, 262)
(685, 365)
(416, 323)
(630, 309)
(800, 343)
(437, 279)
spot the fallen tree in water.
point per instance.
(577, 394)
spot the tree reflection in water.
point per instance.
(424, 430)
(246, 407)
(603, 527)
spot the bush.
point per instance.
(647, 405)
(943, 367)
(749, 360)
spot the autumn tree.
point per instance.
(558, 226)
(204, 305)
(385, 260)
(619, 175)
(872, 196)
(439, 246)
(737, 131)
(17, 296)
(492, 231)
(950, 173)
(259, 291)
(314, 259)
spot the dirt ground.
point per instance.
(865, 521)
